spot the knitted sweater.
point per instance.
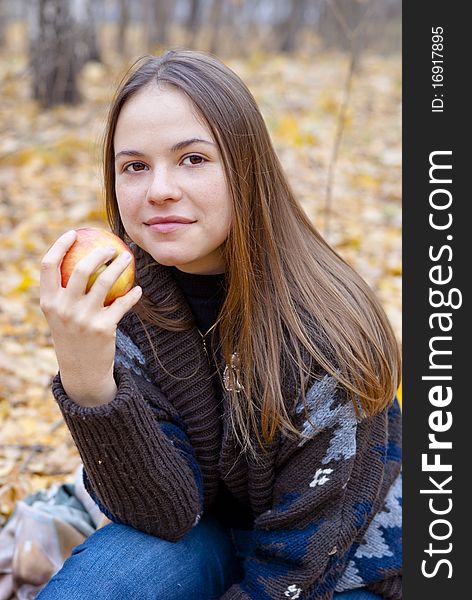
(327, 509)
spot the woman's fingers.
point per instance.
(108, 277)
(87, 267)
(50, 276)
(119, 307)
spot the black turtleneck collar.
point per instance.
(199, 286)
(204, 293)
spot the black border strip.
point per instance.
(436, 249)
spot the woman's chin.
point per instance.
(167, 259)
(166, 262)
(210, 263)
(171, 261)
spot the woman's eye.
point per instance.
(193, 159)
(134, 167)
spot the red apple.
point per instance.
(89, 238)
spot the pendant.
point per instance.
(236, 385)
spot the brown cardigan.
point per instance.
(155, 454)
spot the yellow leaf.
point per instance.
(26, 282)
(396, 270)
(97, 214)
(329, 105)
(21, 158)
(288, 129)
(366, 181)
(4, 409)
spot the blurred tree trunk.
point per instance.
(91, 32)
(251, 33)
(238, 34)
(193, 21)
(54, 61)
(163, 21)
(159, 13)
(291, 26)
(339, 20)
(215, 19)
(123, 23)
(3, 15)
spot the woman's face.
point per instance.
(170, 183)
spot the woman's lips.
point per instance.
(168, 227)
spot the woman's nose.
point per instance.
(163, 187)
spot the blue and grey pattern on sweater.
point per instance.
(380, 548)
(129, 355)
(322, 414)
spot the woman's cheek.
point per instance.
(128, 214)
(129, 199)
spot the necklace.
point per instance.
(204, 335)
(230, 382)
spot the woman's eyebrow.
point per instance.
(175, 148)
(135, 153)
(185, 143)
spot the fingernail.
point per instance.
(126, 256)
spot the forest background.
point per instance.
(327, 76)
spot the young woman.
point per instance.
(235, 412)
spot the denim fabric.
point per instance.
(118, 562)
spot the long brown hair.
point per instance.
(293, 305)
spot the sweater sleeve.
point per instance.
(139, 465)
(324, 495)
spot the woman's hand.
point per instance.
(82, 328)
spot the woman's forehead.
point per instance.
(158, 97)
(156, 109)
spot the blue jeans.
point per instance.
(118, 562)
